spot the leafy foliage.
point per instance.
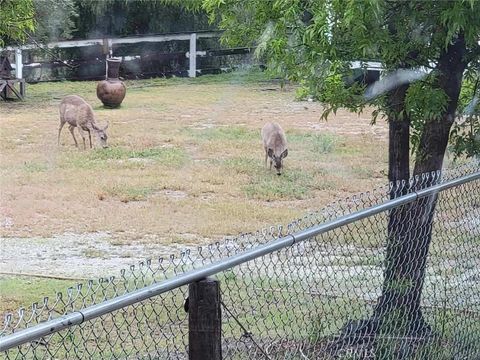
(127, 17)
(424, 101)
(55, 19)
(64, 19)
(16, 18)
(465, 135)
(314, 42)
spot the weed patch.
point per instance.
(292, 184)
(317, 143)
(19, 290)
(35, 167)
(266, 185)
(242, 165)
(231, 133)
(167, 156)
(126, 193)
(241, 77)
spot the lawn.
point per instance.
(185, 156)
(184, 167)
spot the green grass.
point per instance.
(173, 156)
(316, 317)
(244, 76)
(45, 91)
(35, 167)
(243, 165)
(116, 334)
(360, 172)
(166, 156)
(264, 184)
(312, 319)
(317, 143)
(230, 133)
(292, 184)
(24, 291)
(126, 193)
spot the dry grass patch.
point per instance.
(126, 193)
(196, 137)
(119, 157)
(314, 144)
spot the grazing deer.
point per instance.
(275, 145)
(79, 114)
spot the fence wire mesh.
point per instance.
(309, 301)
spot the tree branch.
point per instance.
(49, 52)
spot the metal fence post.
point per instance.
(204, 320)
(192, 57)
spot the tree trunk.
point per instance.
(410, 227)
(399, 138)
(398, 310)
(398, 171)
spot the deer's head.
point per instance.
(277, 160)
(101, 134)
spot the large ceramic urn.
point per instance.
(111, 92)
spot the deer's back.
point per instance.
(273, 137)
(76, 111)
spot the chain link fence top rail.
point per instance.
(288, 304)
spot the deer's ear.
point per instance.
(106, 126)
(270, 152)
(95, 127)
(284, 154)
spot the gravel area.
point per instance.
(89, 255)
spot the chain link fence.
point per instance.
(301, 302)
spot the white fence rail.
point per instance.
(109, 43)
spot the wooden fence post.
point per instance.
(18, 63)
(192, 56)
(204, 320)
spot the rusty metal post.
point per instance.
(204, 320)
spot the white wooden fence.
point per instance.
(109, 43)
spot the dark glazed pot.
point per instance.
(111, 92)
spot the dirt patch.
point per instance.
(175, 194)
(89, 255)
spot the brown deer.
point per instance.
(79, 114)
(275, 145)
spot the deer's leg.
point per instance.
(82, 134)
(266, 157)
(73, 135)
(60, 130)
(90, 138)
